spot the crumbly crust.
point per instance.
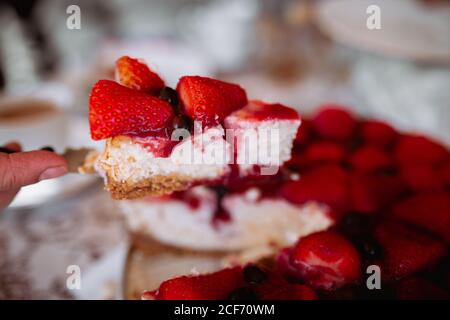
(154, 186)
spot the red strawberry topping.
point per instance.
(303, 132)
(369, 158)
(325, 184)
(324, 152)
(117, 110)
(213, 286)
(370, 193)
(326, 260)
(261, 111)
(378, 133)
(429, 210)
(420, 289)
(135, 74)
(406, 250)
(288, 291)
(421, 177)
(334, 123)
(418, 149)
(445, 173)
(209, 100)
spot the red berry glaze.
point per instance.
(117, 110)
(209, 100)
(326, 260)
(135, 74)
(258, 111)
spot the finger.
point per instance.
(7, 197)
(14, 146)
(24, 168)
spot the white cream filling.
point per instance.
(128, 161)
(254, 222)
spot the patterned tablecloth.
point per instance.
(38, 244)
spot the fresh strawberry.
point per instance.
(209, 100)
(326, 260)
(135, 74)
(369, 159)
(421, 177)
(297, 162)
(406, 250)
(334, 123)
(117, 110)
(371, 193)
(324, 151)
(324, 184)
(213, 286)
(429, 210)
(419, 289)
(288, 291)
(378, 133)
(445, 173)
(418, 149)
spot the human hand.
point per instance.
(19, 169)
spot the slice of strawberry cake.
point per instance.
(160, 140)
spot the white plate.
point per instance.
(408, 29)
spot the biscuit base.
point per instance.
(154, 186)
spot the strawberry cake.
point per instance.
(368, 195)
(160, 140)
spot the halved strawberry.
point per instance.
(209, 100)
(421, 177)
(445, 173)
(429, 210)
(213, 286)
(324, 151)
(378, 133)
(326, 260)
(369, 158)
(334, 122)
(117, 110)
(370, 193)
(303, 132)
(135, 74)
(287, 291)
(326, 184)
(419, 149)
(406, 250)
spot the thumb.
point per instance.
(24, 168)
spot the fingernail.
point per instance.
(54, 172)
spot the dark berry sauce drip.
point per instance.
(220, 214)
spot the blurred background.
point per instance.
(302, 53)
